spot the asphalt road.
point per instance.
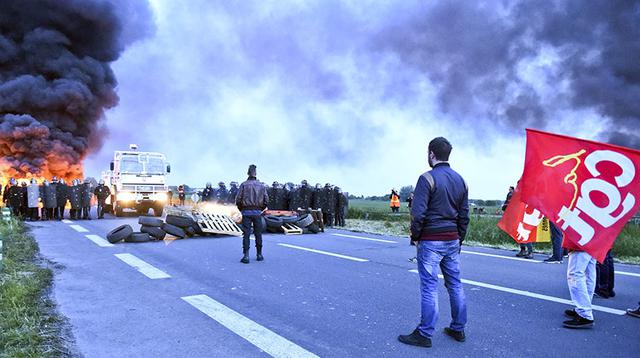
(193, 298)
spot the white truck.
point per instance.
(137, 181)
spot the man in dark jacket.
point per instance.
(222, 193)
(86, 195)
(272, 192)
(328, 205)
(341, 206)
(62, 194)
(305, 194)
(101, 192)
(233, 192)
(440, 216)
(252, 199)
(24, 201)
(208, 194)
(318, 197)
(181, 195)
(13, 196)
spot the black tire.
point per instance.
(157, 211)
(305, 220)
(174, 230)
(190, 231)
(179, 221)
(197, 229)
(289, 219)
(273, 221)
(138, 237)
(313, 228)
(150, 221)
(155, 232)
(120, 233)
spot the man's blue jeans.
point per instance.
(446, 255)
(556, 242)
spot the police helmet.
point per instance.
(208, 184)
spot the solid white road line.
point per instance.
(261, 337)
(67, 221)
(78, 228)
(99, 241)
(627, 273)
(324, 253)
(365, 238)
(499, 256)
(144, 268)
(534, 295)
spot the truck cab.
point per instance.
(138, 181)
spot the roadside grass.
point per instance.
(372, 217)
(29, 324)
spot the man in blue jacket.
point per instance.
(440, 216)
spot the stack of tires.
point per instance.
(305, 221)
(152, 228)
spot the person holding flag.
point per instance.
(590, 190)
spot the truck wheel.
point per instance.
(119, 211)
(119, 233)
(173, 230)
(149, 221)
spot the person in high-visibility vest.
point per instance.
(394, 201)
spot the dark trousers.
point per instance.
(33, 213)
(101, 204)
(328, 218)
(247, 222)
(60, 212)
(74, 214)
(605, 277)
(339, 218)
(85, 212)
(556, 241)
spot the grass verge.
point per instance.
(29, 324)
(484, 232)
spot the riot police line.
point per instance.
(48, 200)
(286, 197)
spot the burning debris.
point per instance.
(55, 83)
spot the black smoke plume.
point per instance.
(55, 82)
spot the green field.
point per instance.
(376, 217)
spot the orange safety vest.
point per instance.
(395, 201)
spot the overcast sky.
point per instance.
(351, 92)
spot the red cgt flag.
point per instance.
(589, 189)
(524, 223)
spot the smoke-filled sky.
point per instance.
(350, 92)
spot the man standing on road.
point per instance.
(101, 192)
(440, 216)
(62, 194)
(252, 199)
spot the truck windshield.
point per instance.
(142, 164)
(154, 165)
(130, 164)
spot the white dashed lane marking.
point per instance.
(99, 241)
(534, 295)
(365, 238)
(261, 337)
(144, 268)
(324, 253)
(67, 221)
(78, 228)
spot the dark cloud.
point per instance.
(472, 51)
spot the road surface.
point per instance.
(337, 294)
